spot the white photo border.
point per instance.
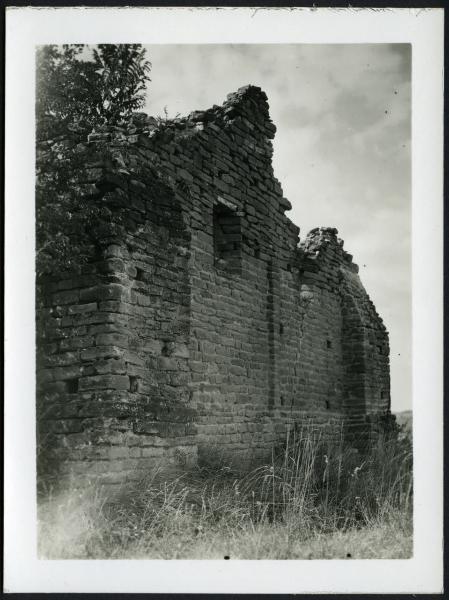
(28, 27)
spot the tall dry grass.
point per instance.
(314, 499)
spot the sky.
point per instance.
(342, 150)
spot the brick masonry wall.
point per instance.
(112, 341)
(223, 330)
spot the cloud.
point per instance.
(341, 152)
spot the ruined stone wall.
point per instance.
(362, 383)
(228, 332)
(112, 340)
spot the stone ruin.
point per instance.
(202, 326)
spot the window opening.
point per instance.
(227, 239)
(72, 386)
(133, 384)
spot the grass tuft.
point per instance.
(316, 499)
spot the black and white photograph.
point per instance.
(225, 348)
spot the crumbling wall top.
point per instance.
(248, 103)
(320, 239)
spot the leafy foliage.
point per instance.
(78, 90)
(123, 72)
(64, 219)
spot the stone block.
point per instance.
(167, 364)
(153, 452)
(101, 352)
(111, 365)
(116, 452)
(99, 382)
(66, 297)
(59, 360)
(82, 308)
(181, 351)
(67, 372)
(112, 291)
(112, 339)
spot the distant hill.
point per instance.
(405, 420)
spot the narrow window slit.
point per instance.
(133, 384)
(72, 386)
(227, 239)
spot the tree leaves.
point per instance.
(87, 88)
(78, 90)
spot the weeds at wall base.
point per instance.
(312, 501)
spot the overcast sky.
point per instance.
(341, 151)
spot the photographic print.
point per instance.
(220, 382)
(224, 344)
